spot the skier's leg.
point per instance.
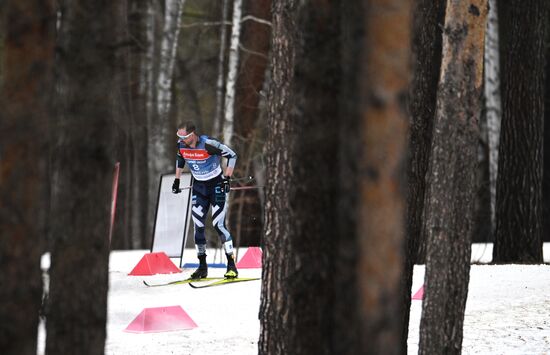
(219, 209)
(199, 208)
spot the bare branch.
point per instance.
(253, 18)
(227, 23)
(206, 24)
(246, 50)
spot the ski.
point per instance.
(225, 282)
(185, 281)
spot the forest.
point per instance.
(384, 134)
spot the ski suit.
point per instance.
(204, 161)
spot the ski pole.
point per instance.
(231, 189)
(248, 178)
(245, 188)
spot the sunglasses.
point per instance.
(185, 136)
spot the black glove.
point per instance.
(176, 186)
(225, 184)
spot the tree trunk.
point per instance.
(346, 337)
(121, 136)
(161, 137)
(426, 48)
(313, 202)
(299, 295)
(274, 307)
(519, 186)
(246, 217)
(381, 185)
(167, 57)
(141, 28)
(82, 180)
(298, 291)
(426, 55)
(219, 114)
(489, 131)
(546, 149)
(492, 102)
(232, 72)
(449, 209)
(183, 80)
(27, 51)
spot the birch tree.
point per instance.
(167, 55)
(160, 126)
(232, 71)
(449, 209)
(219, 114)
(522, 29)
(492, 101)
(27, 52)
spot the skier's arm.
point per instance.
(180, 163)
(179, 168)
(213, 147)
(228, 171)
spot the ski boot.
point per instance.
(231, 272)
(202, 271)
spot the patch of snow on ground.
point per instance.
(507, 312)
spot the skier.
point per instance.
(203, 156)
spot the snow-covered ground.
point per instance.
(507, 312)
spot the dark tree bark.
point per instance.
(519, 183)
(346, 336)
(300, 296)
(27, 60)
(546, 148)
(122, 102)
(381, 219)
(449, 210)
(275, 313)
(137, 211)
(426, 48)
(482, 219)
(246, 208)
(426, 62)
(83, 168)
(303, 299)
(313, 201)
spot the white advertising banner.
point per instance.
(173, 216)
